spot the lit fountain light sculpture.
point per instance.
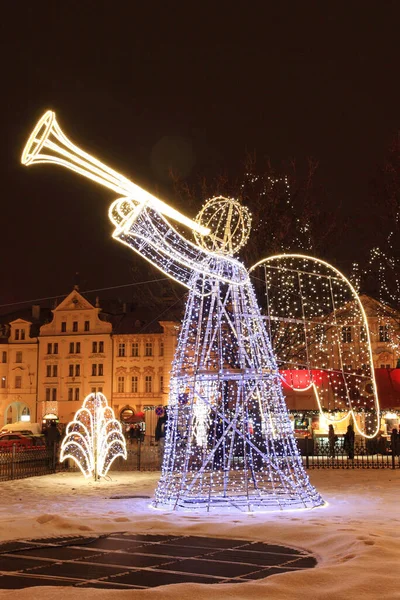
(320, 336)
(94, 439)
(229, 441)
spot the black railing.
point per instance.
(17, 462)
(366, 454)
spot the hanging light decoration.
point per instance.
(320, 336)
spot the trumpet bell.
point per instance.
(38, 137)
(48, 144)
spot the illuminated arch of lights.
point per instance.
(229, 441)
(317, 323)
(94, 439)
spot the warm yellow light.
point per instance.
(48, 136)
(365, 323)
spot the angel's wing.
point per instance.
(320, 336)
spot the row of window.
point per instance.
(98, 347)
(148, 349)
(347, 334)
(86, 326)
(148, 384)
(75, 348)
(74, 370)
(73, 394)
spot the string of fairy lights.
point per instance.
(317, 323)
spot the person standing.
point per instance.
(348, 444)
(395, 442)
(332, 438)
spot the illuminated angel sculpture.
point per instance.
(229, 441)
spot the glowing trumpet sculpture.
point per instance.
(94, 439)
(47, 143)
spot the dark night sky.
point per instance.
(287, 79)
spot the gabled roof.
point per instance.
(73, 301)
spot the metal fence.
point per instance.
(366, 454)
(17, 462)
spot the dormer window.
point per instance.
(63, 326)
(16, 334)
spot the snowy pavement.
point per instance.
(355, 537)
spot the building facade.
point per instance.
(50, 361)
(81, 350)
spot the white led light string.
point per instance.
(94, 439)
(287, 265)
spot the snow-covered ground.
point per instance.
(355, 537)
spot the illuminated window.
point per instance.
(148, 351)
(135, 348)
(101, 346)
(346, 335)
(135, 381)
(87, 326)
(63, 326)
(121, 384)
(18, 381)
(75, 326)
(148, 384)
(16, 334)
(121, 349)
(383, 333)
(18, 357)
(70, 394)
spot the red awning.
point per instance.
(387, 381)
(388, 384)
(136, 418)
